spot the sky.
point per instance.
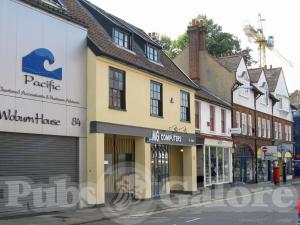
(171, 17)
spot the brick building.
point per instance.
(244, 118)
(212, 106)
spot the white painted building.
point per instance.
(214, 143)
(243, 119)
(282, 116)
(42, 105)
(264, 102)
(243, 95)
(282, 109)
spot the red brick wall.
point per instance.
(194, 41)
(283, 123)
(266, 117)
(242, 109)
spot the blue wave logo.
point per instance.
(34, 63)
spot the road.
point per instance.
(268, 207)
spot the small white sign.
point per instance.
(235, 130)
(269, 152)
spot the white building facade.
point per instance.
(214, 142)
(42, 107)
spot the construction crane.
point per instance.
(257, 35)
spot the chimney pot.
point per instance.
(193, 22)
(266, 67)
(201, 23)
(271, 66)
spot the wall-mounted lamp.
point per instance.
(182, 150)
(172, 100)
(174, 127)
(183, 129)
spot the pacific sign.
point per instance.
(33, 63)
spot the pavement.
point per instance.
(245, 204)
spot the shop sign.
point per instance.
(42, 83)
(235, 130)
(269, 152)
(174, 138)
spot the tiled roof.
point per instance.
(231, 62)
(101, 43)
(255, 74)
(54, 7)
(272, 77)
(206, 95)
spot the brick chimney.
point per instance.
(196, 35)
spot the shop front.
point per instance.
(285, 156)
(214, 162)
(243, 165)
(144, 163)
(266, 157)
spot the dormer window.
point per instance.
(152, 53)
(121, 38)
(55, 3)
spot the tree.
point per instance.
(217, 41)
(247, 56)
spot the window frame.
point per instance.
(286, 132)
(111, 89)
(276, 131)
(249, 120)
(212, 118)
(259, 127)
(124, 33)
(244, 124)
(223, 121)
(198, 115)
(268, 129)
(238, 119)
(154, 49)
(187, 108)
(279, 131)
(264, 128)
(160, 101)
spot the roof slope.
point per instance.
(272, 76)
(102, 44)
(54, 7)
(255, 74)
(206, 95)
(231, 62)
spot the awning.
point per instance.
(288, 155)
(279, 154)
(259, 153)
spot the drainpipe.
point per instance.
(236, 85)
(257, 94)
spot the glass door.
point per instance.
(237, 170)
(159, 169)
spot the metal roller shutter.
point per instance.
(40, 160)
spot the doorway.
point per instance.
(159, 169)
(119, 167)
(243, 165)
